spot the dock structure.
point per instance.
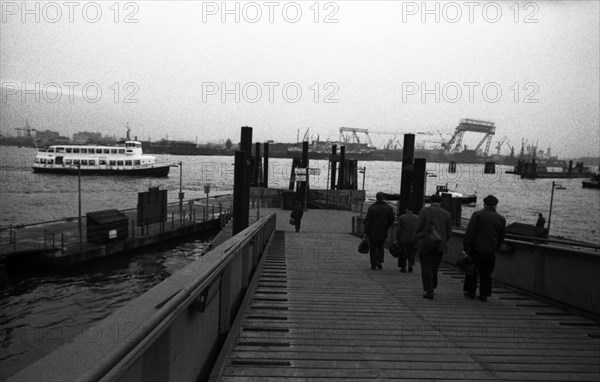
(313, 309)
(318, 312)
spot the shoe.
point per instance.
(403, 270)
(482, 298)
(410, 268)
(379, 266)
(428, 295)
(470, 295)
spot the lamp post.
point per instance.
(79, 206)
(554, 185)
(363, 170)
(180, 193)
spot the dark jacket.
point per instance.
(485, 231)
(297, 213)
(380, 217)
(407, 228)
(440, 218)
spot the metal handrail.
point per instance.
(176, 303)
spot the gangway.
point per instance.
(476, 126)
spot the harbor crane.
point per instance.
(353, 137)
(471, 125)
(27, 129)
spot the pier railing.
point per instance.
(172, 332)
(564, 272)
(63, 237)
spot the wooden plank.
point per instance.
(346, 322)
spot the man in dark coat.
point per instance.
(407, 227)
(297, 213)
(380, 217)
(483, 237)
(431, 217)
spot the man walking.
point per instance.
(407, 227)
(483, 237)
(432, 221)
(379, 219)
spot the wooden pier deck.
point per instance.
(318, 312)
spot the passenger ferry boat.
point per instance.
(126, 160)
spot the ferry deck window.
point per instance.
(113, 162)
(37, 160)
(84, 162)
(92, 162)
(113, 151)
(43, 161)
(103, 162)
(119, 163)
(68, 161)
(127, 163)
(75, 162)
(121, 151)
(98, 151)
(69, 149)
(50, 161)
(136, 162)
(84, 150)
(106, 151)
(60, 149)
(76, 150)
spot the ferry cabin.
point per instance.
(96, 155)
(98, 159)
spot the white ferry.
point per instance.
(99, 160)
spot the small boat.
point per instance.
(466, 199)
(593, 182)
(127, 160)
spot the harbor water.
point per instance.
(42, 310)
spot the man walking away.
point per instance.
(541, 221)
(297, 214)
(432, 218)
(379, 219)
(483, 237)
(407, 227)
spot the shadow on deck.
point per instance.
(318, 312)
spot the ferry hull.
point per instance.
(157, 171)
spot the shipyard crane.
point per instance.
(27, 129)
(499, 144)
(471, 125)
(355, 137)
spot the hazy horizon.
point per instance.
(198, 71)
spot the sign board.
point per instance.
(152, 206)
(300, 178)
(314, 171)
(300, 171)
(112, 234)
(207, 189)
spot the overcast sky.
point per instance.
(201, 70)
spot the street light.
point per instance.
(558, 186)
(362, 170)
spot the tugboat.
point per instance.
(466, 199)
(593, 182)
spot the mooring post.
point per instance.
(333, 161)
(342, 169)
(406, 178)
(240, 211)
(419, 187)
(266, 165)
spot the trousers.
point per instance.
(430, 262)
(484, 266)
(376, 252)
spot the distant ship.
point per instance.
(127, 159)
